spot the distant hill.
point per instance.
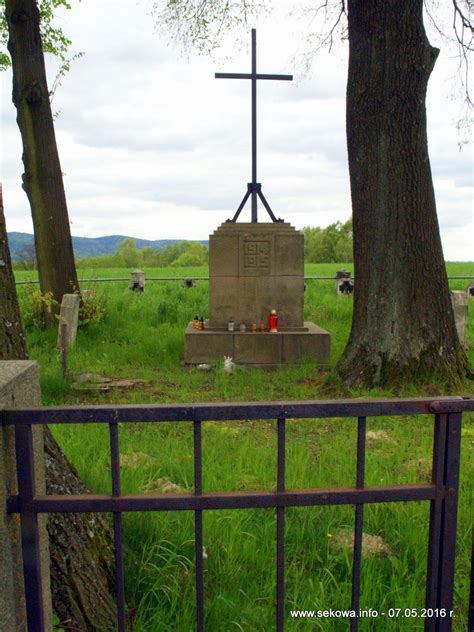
(85, 247)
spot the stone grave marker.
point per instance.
(344, 284)
(69, 316)
(459, 303)
(137, 281)
(255, 268)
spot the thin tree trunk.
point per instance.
(403, 325)
(42, 179)
(81, 548)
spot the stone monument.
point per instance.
(255, 268)
(460, 309)
(69, 316)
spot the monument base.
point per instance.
(257, 348)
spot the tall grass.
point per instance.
(142, 337)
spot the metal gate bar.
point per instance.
(441, 492)
(118, 548)
(359, 520)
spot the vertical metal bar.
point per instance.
(118, 547)
(448, 534)
(359, 521)
(266, 205)
(436, 515)
(254, 125)
(242, 204)
(470, 621)
(198, 529)
(29, 528)
(280, 516)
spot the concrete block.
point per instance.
(223, 255)
(255, 268)
(224, 300)
(459, 303)
(289, 300)
(207, 346)
(289, 254)
(314, 343)
(255, 299)
(257, 348)
(19, 387)
(69, 315)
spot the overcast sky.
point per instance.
(153, 146)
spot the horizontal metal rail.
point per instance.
(229, 500)
(143, 413)
(441, 492)
(204, 278)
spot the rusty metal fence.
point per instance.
(201, 278)
(441, 492)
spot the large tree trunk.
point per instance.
(403, 324)
(42, 180)
(12, 338)
(81, 545)
(82, 558)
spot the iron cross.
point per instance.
(254, 188)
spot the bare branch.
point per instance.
(201, 24)
(324, 23)
(463, 27)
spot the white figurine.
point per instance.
(228, 364)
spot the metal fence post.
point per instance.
(29, 528)
(470, 622)
(443, 518)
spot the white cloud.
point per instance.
(155, 147)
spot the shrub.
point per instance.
(93, 307)
(35, 306)
(187, 260)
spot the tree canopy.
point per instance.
(53, 39)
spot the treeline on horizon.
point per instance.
(332, 244)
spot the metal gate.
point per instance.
(441, 492)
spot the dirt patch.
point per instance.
(379, 436)
(372, 545)
(94, 382)
(164, 486)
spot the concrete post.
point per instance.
(19, 387)
(459, 303)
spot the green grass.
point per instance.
(142, 337)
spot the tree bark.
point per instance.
(403, 324)
(82, 558)
(12, 338)
(81, 545)
(42, 179)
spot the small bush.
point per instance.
(93, 307)
(35, 306)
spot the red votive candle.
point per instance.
(273, 321)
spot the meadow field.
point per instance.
(141, 337)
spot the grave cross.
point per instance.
(254, 188)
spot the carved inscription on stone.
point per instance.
(257, 255)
